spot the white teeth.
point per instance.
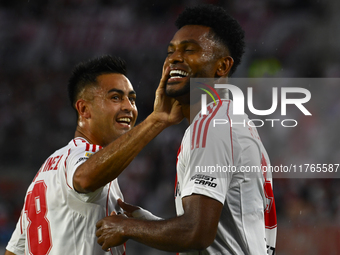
(124, 120)
(178, 72)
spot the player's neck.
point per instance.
(80, 133)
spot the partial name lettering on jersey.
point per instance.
(51, 164)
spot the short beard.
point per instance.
(177, 93)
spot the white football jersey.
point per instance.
(55, 218)
(215, 159)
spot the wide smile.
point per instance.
(177, 75)
(124, 121)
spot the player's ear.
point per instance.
(83, 109)
(224, 65)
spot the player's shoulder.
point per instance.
(80, 142)
(217, 125)
(219, 119)
(215, 111)
(223, 125)
(240, 124)
(204, 127)
(220, 115)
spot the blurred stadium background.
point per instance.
(40, 41)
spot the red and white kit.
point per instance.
(214, 160)
(55, 218)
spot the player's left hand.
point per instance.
(110, 231)
(129, 209)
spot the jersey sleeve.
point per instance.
(208, 169)
(16, 244)
(78, 155)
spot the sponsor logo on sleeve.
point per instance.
(88, 154)
(204, 180)
(81, 159)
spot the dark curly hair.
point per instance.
(225, 28)
(86, 73)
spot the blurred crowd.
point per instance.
(41, 41)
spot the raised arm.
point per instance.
(108, 163)
(194, 230)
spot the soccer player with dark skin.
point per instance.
(197, 52)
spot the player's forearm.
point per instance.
(109, 162)
(194, 230)
(174, 235)
(9, 253)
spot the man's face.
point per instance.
(191, 54)
(112, 106)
